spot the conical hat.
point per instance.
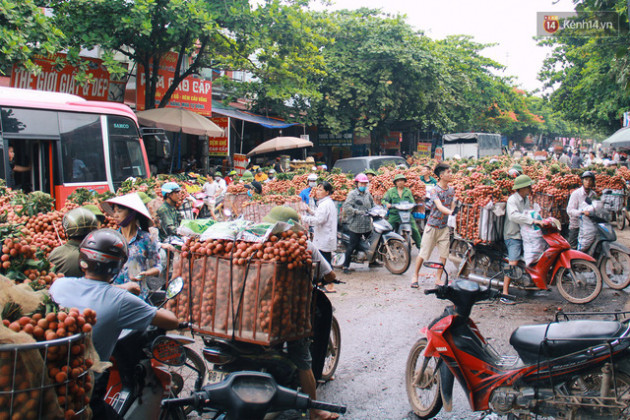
(131, 201)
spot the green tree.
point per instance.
(24, 32)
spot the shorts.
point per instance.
(514, 248)
(299, 352)
(431, 237)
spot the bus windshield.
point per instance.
(125, 153)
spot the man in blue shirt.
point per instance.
(102, 254)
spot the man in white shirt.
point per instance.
(324, 222)
(577, 201)
(221, 184)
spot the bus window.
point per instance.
(82, 148)
(125, 153)
(29, 123)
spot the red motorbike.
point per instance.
(575, 273)
(569, 369)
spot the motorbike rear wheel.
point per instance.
(333, 352)
(621, 219)
(616, 270)
(423, 393)
(590, 385)
(581, 283)
(400, 257)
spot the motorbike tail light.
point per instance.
(217, 356)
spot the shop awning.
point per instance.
(221, 109)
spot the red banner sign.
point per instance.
(424, 149)
(53, 79)
(192, 93)
(219, 146)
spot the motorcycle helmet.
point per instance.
(96, 211)
(232, 173)
(170, 187)
(588, 174)
(361, 178)
(79, 222)
(271, 171)
(103, 252)
(312, 177)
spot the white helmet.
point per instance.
(312, 177)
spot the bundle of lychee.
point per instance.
(66, 363)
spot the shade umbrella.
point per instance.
(179, 120)
(280, 143)
(621, 138)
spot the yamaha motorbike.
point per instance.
(569, 369)
(383, 245)
(149, 366)
(612, 258)
(247, 395)
(575, 274)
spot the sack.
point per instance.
(588, 233)
(533, 243)
(452, 221)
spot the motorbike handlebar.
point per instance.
(192, 401)
(333, 408)
(183, 325)
(430, 291)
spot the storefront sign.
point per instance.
(424, 149)
(438, 154)
(219, 146)
(392, 141)
(240, 163)
(192, 93)
(54, 79)
(339, 140)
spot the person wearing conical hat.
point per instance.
(516, 215)
(134, 219)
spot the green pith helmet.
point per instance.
(399, 176)
(79, 222)
(522, 181)
(247, 175)
(95, 210)
(219, 174)
(370, 172)
(517, 167)
(281, 214)
(232, 173)
(144, 197)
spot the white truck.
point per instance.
(466, 145)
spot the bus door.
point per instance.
(45, 168)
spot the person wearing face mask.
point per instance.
(305, 194)
(355, 209)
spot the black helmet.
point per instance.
(588, 174)
(103, 252)
(79, 222)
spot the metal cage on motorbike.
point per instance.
(551, 206)
(475, 222)
(38, 380)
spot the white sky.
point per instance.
(509, 23)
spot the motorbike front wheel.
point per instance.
(423, 386)
(396, 256)
(333, 352)
(581, 283)
(616, 270)
(189, 377)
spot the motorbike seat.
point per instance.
(535, 343)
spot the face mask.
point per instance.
(312, 184)
(249, 192)
(362, 189)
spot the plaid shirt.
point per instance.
(354, 208)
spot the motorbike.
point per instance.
(247, 395)
(229, 356)
(612, 258)
(404, 212)
(575, 273)
(569, 368)
(383, 245)
(149, 366)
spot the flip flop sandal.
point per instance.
(414, 285)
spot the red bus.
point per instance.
(62, 142)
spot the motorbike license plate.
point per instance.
(215, 376)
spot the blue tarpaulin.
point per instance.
(250, 117)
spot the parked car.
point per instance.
(356, 165)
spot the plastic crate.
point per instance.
(261, 302)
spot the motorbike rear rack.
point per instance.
(614, 316)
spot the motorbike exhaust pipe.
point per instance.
(486, 281)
